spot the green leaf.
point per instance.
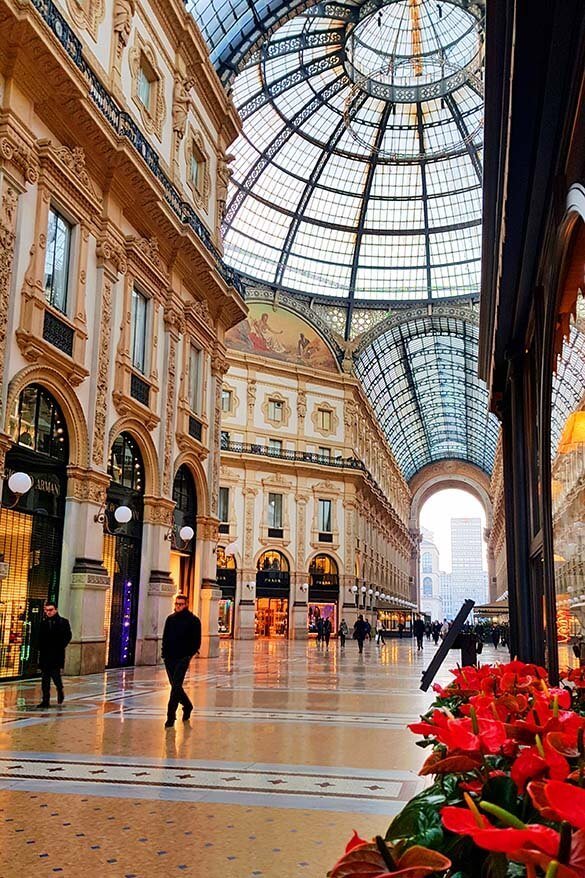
(496, 866)
(418, 823)
(502, 791)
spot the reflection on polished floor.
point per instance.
(289, 748)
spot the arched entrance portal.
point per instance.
(323, 593)
(122, 550)
(184, 515)
(226, 576)
(272, 595)
(31, 532)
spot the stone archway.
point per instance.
(449, 474)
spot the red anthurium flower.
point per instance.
(458, 763)
(534, 762)
(366, 860)
(564, 800)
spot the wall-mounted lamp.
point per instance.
(305, 587)
(251, 586)
(18, 484)
(186, 534)
(122, 514)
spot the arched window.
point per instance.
(38, 424)
(427, 562)
(272, 560)
(427, 587)
(125, 467)
(185, 512)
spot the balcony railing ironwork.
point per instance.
(299, 456)
(126, 127)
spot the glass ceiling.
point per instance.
(421, 379)
(357, 180)
(358, 173)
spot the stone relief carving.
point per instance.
(249, 499)
(169, 415)
(181, 105)
(200, 310)
(7, 242)
(22, 157)
(224, 173)
(102, 384)
(74, 161)
(251, 397)
(123, 14)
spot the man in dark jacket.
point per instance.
(54, 635)
(360, 632)
(181, 640)
(419, 632)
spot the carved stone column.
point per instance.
(155, 601)
(84, 579)
(9, 194)
(298, 616)
(210, 594)
(245, 621)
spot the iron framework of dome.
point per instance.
(421, 379)
(358, 174)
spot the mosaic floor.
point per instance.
(289, 747)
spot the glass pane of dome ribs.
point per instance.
(338, 191)
(421, 379)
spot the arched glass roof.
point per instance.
(358, 173)
(421, 379)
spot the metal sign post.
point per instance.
(447, 644)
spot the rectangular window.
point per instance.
(57, 257)
(195, 169)
(194, 378)
(144, 85)
(275, 409)
(224, 504)
(275, 446)
(226, 400)
(275, 510)
(325, 516)
(325, 453)
(324, 419)
(138, 329)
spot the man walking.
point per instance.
(326, 631)
(419, 632)
(360, 632)
(181, 640)
(54, 635)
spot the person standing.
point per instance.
(181, 641)
(343, 632)
(419, 632)
(360, 632)
(401, 627)
(326, 631)
(54, 635)
(319, 630)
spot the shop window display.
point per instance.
(31, 533)
(568, 489)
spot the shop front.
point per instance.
(31, 527)
(226, 576)
(123, 550)
(397, 622)
(323, 596)
(272, 595)
(182, 561)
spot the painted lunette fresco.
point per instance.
(280, 335)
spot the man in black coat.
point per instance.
(360, 632)
(181, 640)
(54, 635)
(419, 632)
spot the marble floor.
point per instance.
(290, 747)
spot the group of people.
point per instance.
(181, 641)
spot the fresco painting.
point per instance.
(280, 335)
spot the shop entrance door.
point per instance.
(272, 617)
(122, 560)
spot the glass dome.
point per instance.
(358, 172)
